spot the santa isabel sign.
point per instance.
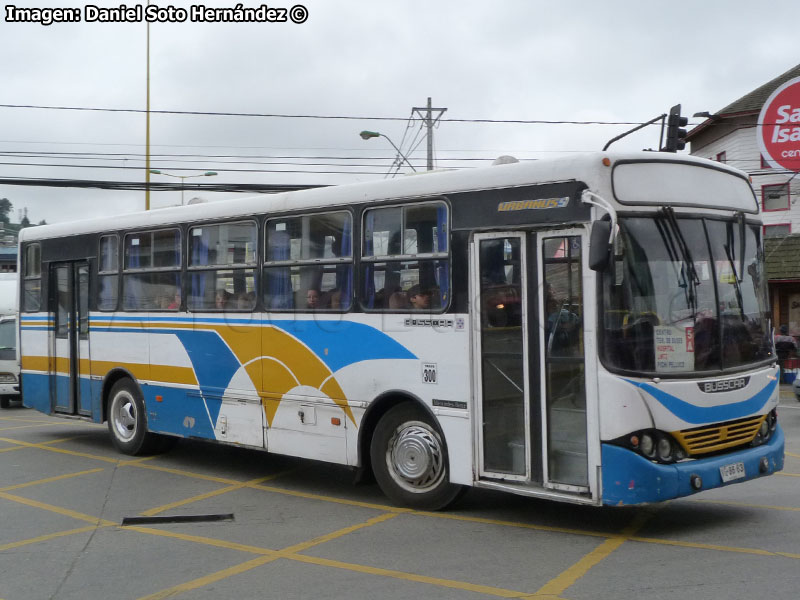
(779, 131)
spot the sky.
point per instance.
(372, 61)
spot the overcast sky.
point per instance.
(611, 61)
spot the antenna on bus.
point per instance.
(650, 122)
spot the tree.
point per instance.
(5, 208)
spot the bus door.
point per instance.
(69, 308)
(503, 415)
(564, 310)
(530, 367)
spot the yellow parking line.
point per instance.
(210, 578)
(560, 583)
(56, 509)
(29, 426)
(184, 473)
(747, 505)
(501, 523)
(782, 474)
(792, 454)
(435, 581)
(48, 537)
(333, 499)
(50, 479)
(718, 548)
(270, 555)
(62, 451)
(207, 495)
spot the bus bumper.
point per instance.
(632, 479)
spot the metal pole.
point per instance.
(147, 135)
(430, 136)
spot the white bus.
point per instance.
(9, 360)
(591, 329)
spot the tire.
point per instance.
(409, 460)
(4, 402)
(127, 420)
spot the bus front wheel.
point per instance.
(409, 459)
(127, 420)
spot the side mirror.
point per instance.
(600, 246)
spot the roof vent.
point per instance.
(504, 160)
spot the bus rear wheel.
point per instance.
(409, 459)
(127, 420)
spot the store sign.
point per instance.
(779, 131)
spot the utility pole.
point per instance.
(426, 114)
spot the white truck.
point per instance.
(9, 358)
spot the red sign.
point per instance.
(779, 134)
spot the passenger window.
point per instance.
(151, 275)
(309, 263)
(405, 265)
(222, 261)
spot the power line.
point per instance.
(310, 116)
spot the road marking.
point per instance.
(782, 474)
(791, 454)
(62, 451)
(746, 505)
(333, 499)
(50, 479)
(225, 480)
(48, 537)
(56, 509)
(560, 583)
(29, 426)
(718, 548)
(207, 495)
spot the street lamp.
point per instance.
(183, 177)
(366, 135)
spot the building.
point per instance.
(730, 136)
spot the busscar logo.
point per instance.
(725, 385)
(541, 204)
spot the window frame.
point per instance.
(404, 258)
(246, 266)
(101, 273)
(306, 262)
(765, 191)
(765, 226)
(178, 268)
(25, 277)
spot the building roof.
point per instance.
(755, 99)
(750, 103)
(783, 257)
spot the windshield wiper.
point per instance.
(737, 279)
(692, 279)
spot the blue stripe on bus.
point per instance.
(338, 344)
(709, 414)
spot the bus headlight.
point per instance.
(8, 378)
(653, 445)
(647, 446)
(664, 449)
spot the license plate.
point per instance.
(732, 471)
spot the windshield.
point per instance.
(8, 335)
(685, 295)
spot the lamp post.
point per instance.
(366, 135)
(183, 177)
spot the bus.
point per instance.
(591, 329)
(9, 360)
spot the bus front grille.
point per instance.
(706, 439)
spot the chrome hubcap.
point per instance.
(415, 457)
(123, 414)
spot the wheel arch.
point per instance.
(112, 377)
(379, 407)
